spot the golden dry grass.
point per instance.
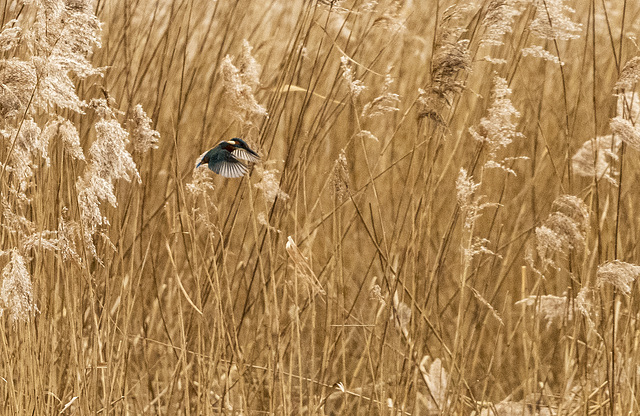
(347, 255)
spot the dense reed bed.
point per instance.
(443, 221)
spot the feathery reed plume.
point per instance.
(90, 190)
(46, 240)
(629, 133)
(451, 61)
(585, 304)
(479, 246)
(201, 180)
(205, 223)
(139, 125)
(470, 205)
(625, 124)
(375, 294)
(596, 158)
(574, 208)
(628, 106)
(564, 230)
(110, 159)
(366, 134)
(551, 23)
(618, 273)
(355, 85)
(465, 190)
(391, 18)
(498, 20)
(239, 85)
(269, 184)
(25, 143)
(109, 162)
(13, 222)
(16, 293)
(18, 81)
(549, 308)
(451, 57)
(57, 45)
(629, 75)
(62, 241)
(64, 34)
(340, 177)
(69, 29)
(264, 220)
(65, 129)
(68, 232)
(498, 129)
(436, 379)
(10, 35)
(249, 69)
(303, 269)
(386, 102)
(486, 303)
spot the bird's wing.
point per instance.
(244, 155)
(229, 169)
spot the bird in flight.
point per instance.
(226, 158)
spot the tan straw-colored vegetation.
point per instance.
(444, 219)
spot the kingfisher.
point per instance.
(226, 158)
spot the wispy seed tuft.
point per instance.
(239, 85)
(340, 177)
(549, 308)
(450, 64)
(629, 75)
(16, 293)
(498, 20)
(564, 230)
(469, 203)
(595, 158)
(629, 133)
(270, 184)
(139, 125)
(386, 102)
(355, 85)
(498, 129)
(618, 273)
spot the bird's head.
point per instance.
(239, 143)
